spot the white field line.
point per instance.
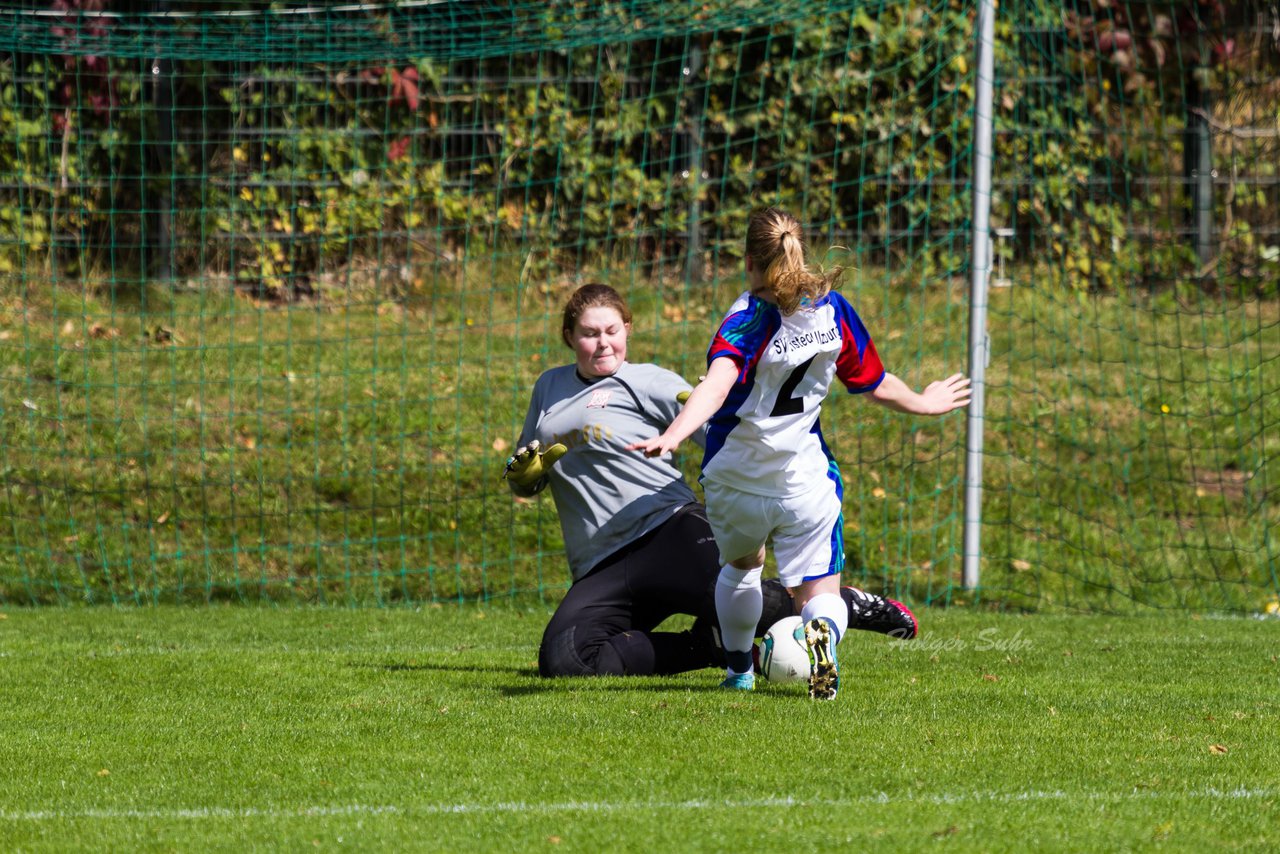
(520, 807)
(83, 652)
(109, 650)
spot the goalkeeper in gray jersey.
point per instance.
(637, 540)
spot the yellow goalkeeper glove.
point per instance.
(683, 397)
(530, 464)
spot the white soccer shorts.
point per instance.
(806, 531)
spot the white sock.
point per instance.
(830, 606)
(739, 603)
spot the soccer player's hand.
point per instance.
(529, 464)
(943, 396)
(657, 446)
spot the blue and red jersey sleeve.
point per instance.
(744, 335)
(858, 365)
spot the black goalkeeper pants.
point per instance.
(605, 623)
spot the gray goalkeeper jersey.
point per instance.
(606, 495)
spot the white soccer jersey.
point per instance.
(767, 438)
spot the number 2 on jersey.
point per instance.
(786, 404)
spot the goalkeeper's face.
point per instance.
(599, 341)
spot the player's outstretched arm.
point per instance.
(526, 470)
(938, 398)
(703, 402)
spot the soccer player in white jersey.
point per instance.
(766, 471)
(638, 543)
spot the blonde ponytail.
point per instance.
(775, 246)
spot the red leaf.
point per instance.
(411, 94)
(398, 148)
(397, 86)
(1112, 40)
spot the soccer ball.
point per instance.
(784, 655)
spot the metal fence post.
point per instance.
(695, 167)
(979, 343)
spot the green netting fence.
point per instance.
(275, 282)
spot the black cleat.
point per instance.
(873, 613)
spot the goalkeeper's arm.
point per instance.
(701, 404)
(527, 469)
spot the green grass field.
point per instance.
(239, 728)
(202, 447)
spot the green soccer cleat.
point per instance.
(824, 673)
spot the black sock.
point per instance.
(738, 661)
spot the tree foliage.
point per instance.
(603, 131)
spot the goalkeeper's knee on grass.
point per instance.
(527, 468)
